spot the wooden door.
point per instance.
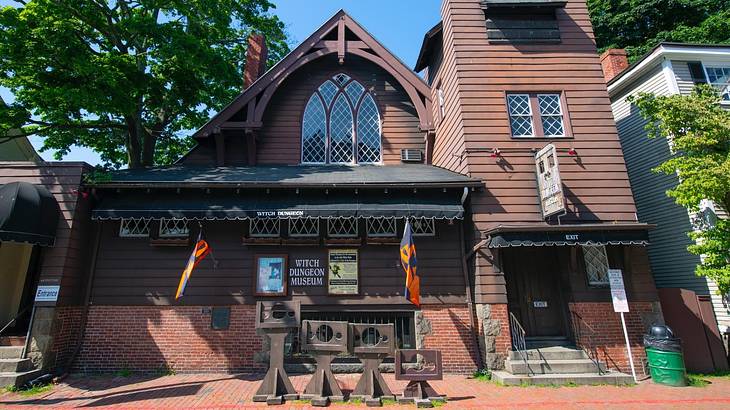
(533, 290)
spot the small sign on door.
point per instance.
(539, 303)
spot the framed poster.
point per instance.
(271, 275)
(343, 275)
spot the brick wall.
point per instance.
(154, 338)
(609, 335)
(66, 332)
(451, 333)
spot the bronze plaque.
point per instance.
(324, 336)
(371, 338)
(418, 365)
(277, 314)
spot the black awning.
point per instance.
(242, 206)
(567, 235)
(28, 213)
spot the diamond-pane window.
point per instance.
(341, 131)
(423, 226)
(520, 115)
(303, 227)
(551, 115)
(368, 131)
(720, 78)
(264, 228)
(134, 228)
(381, 227)
(314, 134)
(596, 262)
(341, 124)
(342, 227)
(174, 228)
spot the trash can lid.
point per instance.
(661, 332)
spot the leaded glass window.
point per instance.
(720, 78)
(134, 228)
(520, 115)
(303, 227)
(174, 228)
(596, 262)
(423, 226)
(381, 227)
(551, 115)
(264, 227)
(536, 115)
(341, 124)
(342, 227)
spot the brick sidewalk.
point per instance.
(235, 391)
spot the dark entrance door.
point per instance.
(533, 289)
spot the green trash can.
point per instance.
(666, 367)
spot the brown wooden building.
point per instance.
(504, 156)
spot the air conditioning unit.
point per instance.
(411, 155)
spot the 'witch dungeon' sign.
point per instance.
(306, 272)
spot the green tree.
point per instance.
(639, 25)
(126, 78)
(698, 129)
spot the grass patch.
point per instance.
(483, 375)
(701, 380)
(388, 402)
(31, 391)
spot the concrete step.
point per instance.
(612, 378)
(15, 365)
(18, 379)
(551, 353)
(547, 341)
(11, 352)
(551, 366)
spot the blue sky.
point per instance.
(398, 24)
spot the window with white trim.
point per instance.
(174, 228)
(134, 228)
(342, 227)
(381, 227)
(719, 77)
(304, 227)
(423, 227)
(442, 102)
(341, 124)
(536, 115)
(596, 262)
(264, 228)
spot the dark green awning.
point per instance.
(245, 205)
(28, 213)
(568, 235)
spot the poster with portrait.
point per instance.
(271, 275)
(342, 278)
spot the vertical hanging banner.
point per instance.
(549, 184)
(343, 273)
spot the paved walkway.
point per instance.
(235, 391)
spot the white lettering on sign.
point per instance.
(549, 184)
(618, 292)
(571, 237)
(307, 272)
(281, 214)
(540, 304)
(47, 293)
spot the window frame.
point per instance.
(355, 107)
(389, 222)
(430, 222)
(722, 66)
(162, 223)
(299, 235)
(275, 221)
(147, 224)
(536, 117)
(596, 284)
(355, 223)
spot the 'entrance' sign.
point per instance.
(47, 293)
(549, 183)
(618, 292)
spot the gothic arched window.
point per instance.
(341, 124)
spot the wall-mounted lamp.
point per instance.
(495, 153)
(572, 152)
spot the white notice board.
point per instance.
(618, 292)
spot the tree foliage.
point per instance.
(639, 25)
(698, 129)
(126, 78)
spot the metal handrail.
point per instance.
(10, 323)
(591, 349)
(517, 332)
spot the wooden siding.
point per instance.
(66, 262)
(129, 271)
(476, 76)
(683, 76)
(279, 140)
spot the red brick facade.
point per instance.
(67, 326)
(452, 334)
(613, 62)
(609, 335)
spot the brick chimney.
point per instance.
(256, 55)
(613, 62)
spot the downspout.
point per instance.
(467, 283)
(87, 296)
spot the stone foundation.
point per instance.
(494, 334)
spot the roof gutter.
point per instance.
(462, 184)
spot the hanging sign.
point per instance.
(343, 275)
(618, 292)
(549, 185)
(47, 293)
(306, 272)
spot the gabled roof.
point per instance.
(429, 41)
(254, 99)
